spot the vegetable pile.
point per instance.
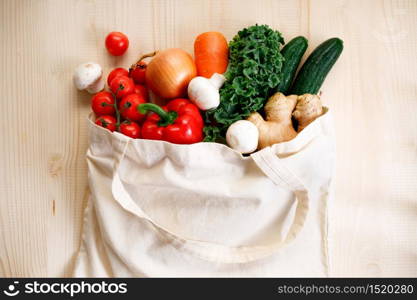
(246, 93)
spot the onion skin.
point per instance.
(169, 73)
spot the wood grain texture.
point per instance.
(372, 91)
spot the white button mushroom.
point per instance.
(88, 77)
(205, 92)
(243, 136)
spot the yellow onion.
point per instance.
(169, 73)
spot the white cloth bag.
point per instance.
(163, 210)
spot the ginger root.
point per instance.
(308, 108)
(278, 125)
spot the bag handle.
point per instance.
(270, 164)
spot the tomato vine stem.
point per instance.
(143, 57)
(116, 108)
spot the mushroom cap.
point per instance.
(203, 94)
(96, 87)
(86, 75)
(243, 136)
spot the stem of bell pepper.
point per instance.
(167, 118)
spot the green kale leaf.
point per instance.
(254, 71)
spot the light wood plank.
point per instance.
(372, 92)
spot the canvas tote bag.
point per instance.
(203, 210)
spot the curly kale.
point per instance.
(253, 73)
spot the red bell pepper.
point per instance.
(178, 122)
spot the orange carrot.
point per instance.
(211, 53)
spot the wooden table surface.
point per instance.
(372, 92)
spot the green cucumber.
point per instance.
(293, 51)
(313, 72)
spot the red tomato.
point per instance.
(116, 73)
(131, 129)
(122, 86)
(102, 103)
(142, 91)
(108, 122)
(128, 107)
(137, 72)
(117, 43)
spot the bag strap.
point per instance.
(273, 168)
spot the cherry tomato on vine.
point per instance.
(102, 103)
(122, 86)
(131, 129)
(116, 73)
(108, 122)
(137, 72)
(142, 91)
(117, 43)
(128, 107)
